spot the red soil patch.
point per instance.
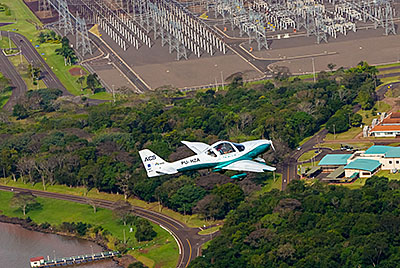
(77, 71)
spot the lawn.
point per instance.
(388, 65)
(4, 95)
(387, 174)
(5, 42)
(210, 230)
(272, 184)
(162, 250)
(189, 220)
(21, 65)
(368, 116)
(26, 23)
(380, 107)
(348, 135)
(308, 155)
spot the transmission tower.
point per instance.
(64, 23)
(44, 5)
(388, 19)
(82, 37)
(176, 41)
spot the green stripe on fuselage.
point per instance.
(249, 156)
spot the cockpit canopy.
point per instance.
(225, 147)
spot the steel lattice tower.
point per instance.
(65, 22)
(82, 37)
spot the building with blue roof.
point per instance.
(364, 167)
(362, 164)
(388, 156)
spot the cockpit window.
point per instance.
(224, 148)
(239, 147)
(211, 153)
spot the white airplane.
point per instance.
(220, 156)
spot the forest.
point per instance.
(49, 139)
(312, 226)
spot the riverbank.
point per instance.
(104, 229)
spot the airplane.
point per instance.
(219, 157)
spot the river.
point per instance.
(18, 245)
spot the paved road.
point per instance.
(48, 76)
(289, 167)
(18, 85)
(188, 240)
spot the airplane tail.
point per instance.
(155, 165)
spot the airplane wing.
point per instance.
(197, 147)
(249, 165)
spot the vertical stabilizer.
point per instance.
(155, 165)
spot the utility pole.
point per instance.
(20, 53)
(9, 39)
(334, 132)
(222, 81)
(313, 67)
(124, 236)
(113, 93)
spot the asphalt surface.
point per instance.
(18, 85)
(289, 166)
(113, 57)
(33, 57)
(188, 240)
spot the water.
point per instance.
(18, 245)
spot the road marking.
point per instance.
(176, 239)
(190, 253)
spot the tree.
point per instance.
(337, 124)
(356, 120)
(20, 111)
(80, 80)
(122, 210)
(144, 230)
(23, 201)
(186, 198)
(331, 66)
(137, 264)
(92, 81)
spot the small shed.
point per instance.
(37, 261)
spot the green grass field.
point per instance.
(22, 69)
(4, 96)
(163, 250)
(388, 65)
(190, 220)
(308, 155)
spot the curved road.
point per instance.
(32, 56)
(188, 240)
(18, 85)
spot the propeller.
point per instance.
(272, 146)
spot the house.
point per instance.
(37, 261)
(388, 126)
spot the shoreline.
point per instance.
(122, 261)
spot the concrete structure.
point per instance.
(332, 161)
(363, 164)
(364, 168)
(386, 126)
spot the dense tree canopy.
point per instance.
(312, 226)
(62, 142)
